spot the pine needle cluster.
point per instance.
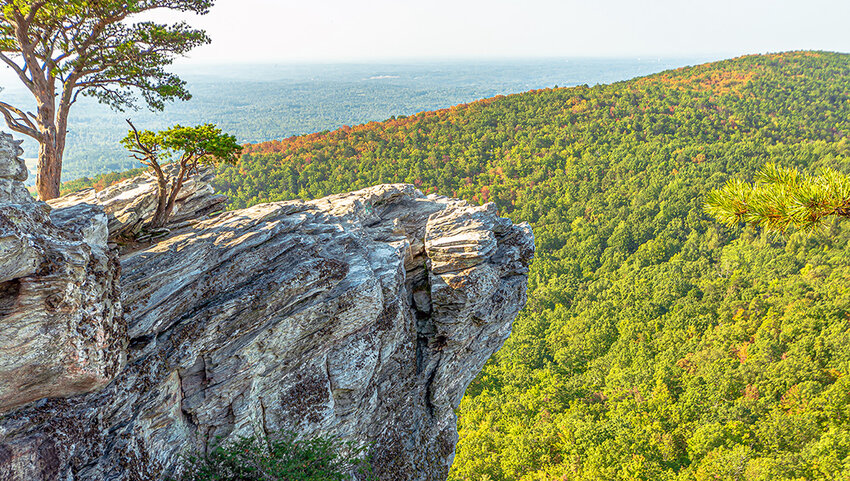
(781, 199)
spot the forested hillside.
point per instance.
(656, 344)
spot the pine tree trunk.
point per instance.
(175, 189)
(49, 174)
(51, 149)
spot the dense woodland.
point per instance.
(656, 344)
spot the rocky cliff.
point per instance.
(362, 315)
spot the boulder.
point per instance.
(63, 332)
(13, 172)
(131, 203)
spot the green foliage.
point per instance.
(185, 146)
(278, 458)
(782, 198)
(205, 144)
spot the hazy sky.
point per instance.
(352, 30)
(300, 31)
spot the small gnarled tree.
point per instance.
(187, 147)
(781, 199)
(61, 49)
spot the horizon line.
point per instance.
(489, 58)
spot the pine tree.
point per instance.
(61, 49)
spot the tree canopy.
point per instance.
(186, 148)
(61, 49)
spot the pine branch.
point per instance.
(782, 199)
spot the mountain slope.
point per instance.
(656, 344)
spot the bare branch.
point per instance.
(20, 71)
(24, 116)
(14, 118)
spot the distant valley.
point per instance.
(266, 102)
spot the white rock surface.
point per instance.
(132, 202)
(13, 172)
(362, 315)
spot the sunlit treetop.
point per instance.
(185, 146)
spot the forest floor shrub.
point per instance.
(279, 457)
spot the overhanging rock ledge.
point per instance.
(362, 315)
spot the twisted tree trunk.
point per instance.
(165, 205)
(48, 175)
(160, 217)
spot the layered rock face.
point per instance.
(60, 312)
(362, 315)
(131, 203)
